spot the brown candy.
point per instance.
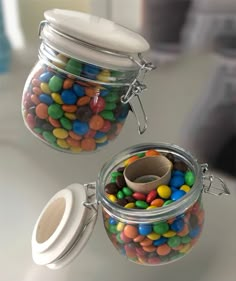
(130, 199)
(111, 188)
(181, 166)
(120, 181)
(122, 202)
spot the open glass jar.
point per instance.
(148, 236)
(78, 95)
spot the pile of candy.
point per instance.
(71, 114)
(160, 241)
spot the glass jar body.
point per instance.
(159, 242)
(74, 106)
(154, 236)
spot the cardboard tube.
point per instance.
(147, 173)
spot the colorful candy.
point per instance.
(160, 241)
(55, 97)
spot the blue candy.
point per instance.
(177, 225)
(177, 181)
(104, 93)
(45, 77)
(79, 90)
(194, 232)
(68, 97)
(112, 221)
(44, 98)
(160, 241)
(99, 135)
(80, 128)
(177, 173)
(144, 229)
(177, 195)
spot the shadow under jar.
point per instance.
(143, 232)
(78, 95)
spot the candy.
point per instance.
(55, 111)
(189, 178)
(55, 83)
(164, 191)
(42, 111)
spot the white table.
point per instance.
(31, 173)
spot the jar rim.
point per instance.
(158, 214)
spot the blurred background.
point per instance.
(190, 101)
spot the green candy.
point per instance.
(38, 130)
(141, 154)
(160, 227)
(55, 84)
(174, 241)
(55, 111)
(141, 204)
(189, 178)
(73, 66)
(110, 106)
(119, 239)
(115, 174)
(108, 115)
(66, 123)
(120, 194)
(127, 191)
(48, 136)
(185, 239)
(112, 229)
(112, 97)
(167, 202)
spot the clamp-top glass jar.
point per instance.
(78, 95)
(153, 235)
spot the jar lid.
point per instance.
(100, 35)
(63, 227)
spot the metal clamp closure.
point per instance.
(136, 88)
(213, 185)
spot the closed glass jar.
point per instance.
(147, 236)
(77, 97)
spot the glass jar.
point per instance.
(78, 95)
(153, 236)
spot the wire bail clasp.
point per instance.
(136, 88)
(213, 185)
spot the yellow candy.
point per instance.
(70, 116)
(57, 98)
(130, 205)
(164, 191)
(151, 207)
(62, 143)
(104, 76)
(60, 133)
(169, 234)
(153, 236)
(101, 140)
(120, 226)
(185, 188)
(60, 61)
(112, 198)
(75, 149)
(44, 87)
(185, 248)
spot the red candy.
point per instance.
(139, 196)
(151, 196)
(97, 104)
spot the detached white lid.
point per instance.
(63, 227)
(95, 31)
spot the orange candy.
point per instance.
(68, 83)
(69, 108)
(149, 249)
(131, 160)
(74, 136)
(83, 101)
(35, 99)
(163, 250)
(72, 142)
(91, 92)
(152, 152)
(184, 231)
(88, 144)
(42, 111)
(157, 202)
(139, 238)
(130, 231)
(54, 122)
(96, 122)
(146, 242)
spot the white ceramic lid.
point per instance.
(63, 227)
(96, 31)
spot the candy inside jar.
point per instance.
(161, 240)
(154, 227)
(78, 95)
